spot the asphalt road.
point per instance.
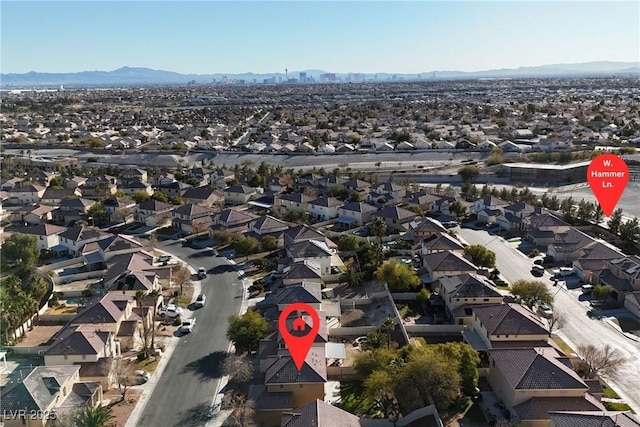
(579, 328)
(185, 392)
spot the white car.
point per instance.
(202, 273)
(187, 326)
(170, 310)
(545, 311)
(164, 258)
(143, 375)
(202, 298)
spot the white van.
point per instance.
(587, 289)
(537, 270)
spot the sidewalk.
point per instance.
(170, 345)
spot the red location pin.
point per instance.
(608, 175)
(296, 333)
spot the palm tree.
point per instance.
(145, 329)
(93, 416)
(388, 326)
(155, 294)
(351, 277)
(378, 227)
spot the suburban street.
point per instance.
(185, 392)
(579, 328)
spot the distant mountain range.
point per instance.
(145, 76)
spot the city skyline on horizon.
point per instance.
(353, 37)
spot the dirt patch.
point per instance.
(122, 411)
(39, 335)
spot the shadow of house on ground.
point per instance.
(198, 415)
(207, 367)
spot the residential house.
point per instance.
(544, 227)
(47, 235)
(173, 189)
(232, 219)
(303, 232)
(425, 229)
(516, 217)
(315, 251)
(508, 325)
(531, 382)
(595, 259)
(70, 210)
(396, 218)
(463, 292)
(54, 196)
(355, 214)
(75, 182)
(324, 208)
(319, 413)
(24, 195)
(82, 343)
(267, 225)
(238, 194)
(51, 391)
(623, 275)
(441, 242)
(203, 196)
(75, 238)
(153, 213)
(442, 264)
(360, 187)
(192, 218)
(291, 202)
(134, 174)
(130, 188)
(391, 192)
(119, 209)
(487, 203)
(33, 214)
(570, 245)
(593, 419)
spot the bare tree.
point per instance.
(598, 361)
(123, 214)
(556, 321)
(242, 414)
(198, 227)
(238, 368)
(182, 277)
(153, 241)
(123, 374)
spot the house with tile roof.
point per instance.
(508, 325)
(563, 418)
(153, 213)
(25, 195)
(324, 208)
(238, 194)
(70, 210)
(622, 274)
(120, 209)
(396, 218)
(204, 196)
(53, 196)
(33, 214)
(441, 242)
(47, 235)
(443, 264)
(292, 202)
(543, 228)
(75, 238)
(305, 291)
(531, 382)
(463, 292)
(570, 245)
(425, 229)
(355, 214)
(304, 232)
(46, 390)
(192, 218)
(589, 266)
(318, 413)
(317, 252)
(82, 343)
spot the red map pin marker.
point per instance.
(608, 175)
(296, 332)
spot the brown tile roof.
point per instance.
(109, 309)
(510, 319)
(307, 292)
(283, 370)
(594, 419)
(320, 414)
(266, 401)
(78, 340)
(538, 408)
(443, 242)
(535, 369)
(469, 286)
(448, 261)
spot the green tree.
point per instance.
(378, 227)
(468, 173)
(246, 331)
(140, 196)
(378, 359)
(458, 209)
(400, 277)
(481, 256)
(466, 359)
(246, 246)
(602, 292)
(531, 293)
(97, 214)
(388, 326)
(269, 243)
(375, 339)
(630, 230)
(348, 242)
(427, 378)
(614, 221)
(379, 388)
(160, 196)
(93, 416)
(20, 249)
(351, 277)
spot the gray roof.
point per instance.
(38, 390)
(469, 286)
(307, 292)
(320, 414)
(397, 213)
(309, 249)
(304, 232)
(538, 408)
(443, 242)
(594, 419)
(448, 261)
(283, 370)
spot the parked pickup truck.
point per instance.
(170, 310)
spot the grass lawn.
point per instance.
(563, 345)
(149, 364)
(608, 392)
(612, 406)
(182, 301)
(353, 400)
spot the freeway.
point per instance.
(185, 392)
(579, 328)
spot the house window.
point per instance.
(66, 357)
(84, 357)
(281, 386)
(300, 386)
(486, 299)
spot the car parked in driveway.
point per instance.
(545, 311)
(187, 326)
(170, 310)
(142, 376)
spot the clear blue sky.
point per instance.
(385, 36)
